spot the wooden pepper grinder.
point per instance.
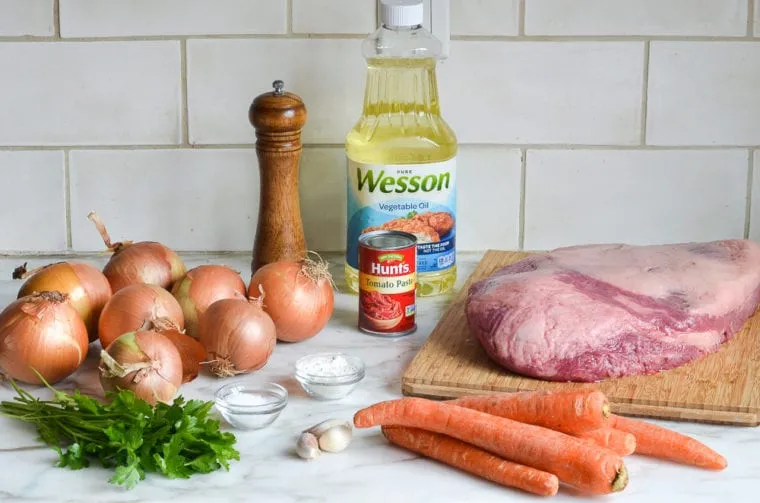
(278, 118)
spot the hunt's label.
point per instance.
(416, 198)
(387, 290)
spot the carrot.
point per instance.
(615, 440)
(659, 442)
(587, 467)
(473, 460)
(570, 411)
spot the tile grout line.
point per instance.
(174, 38)
(185, 120)
(645, 93)
(361, 36)
(56, 20)
(750, 178)
(246, 146)
(289, 19)
(604, 38)
(67, 199)
(521, 19)
(750, 18)
(521, 220)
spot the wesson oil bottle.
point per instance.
(401, 153)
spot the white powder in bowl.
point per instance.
(238, 399)
(327, 366)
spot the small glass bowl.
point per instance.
(250, 406)
(329, 387)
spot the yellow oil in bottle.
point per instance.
(401, 137)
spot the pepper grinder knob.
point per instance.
(278, 118)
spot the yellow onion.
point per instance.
(43, 333)
(238, 335)
(146, 262)
(87, 288)
(144, 362)
(131, 306)
(190, 350)
(201, 287)
(299, 299)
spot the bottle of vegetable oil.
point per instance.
(401, 153)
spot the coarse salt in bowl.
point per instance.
(251, 406)
(329, 376)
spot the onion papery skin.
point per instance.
(146, 262)
(87, 289)
(41, 332)
(161, 378)
(238, 335)
(299, 304)
(190, 350)
(130, 307)
(201, 287)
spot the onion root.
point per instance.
(223, 367)
(317, 270)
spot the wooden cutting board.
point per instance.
(722, 388)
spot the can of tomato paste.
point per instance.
(387, 283)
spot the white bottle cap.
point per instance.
(402, 13)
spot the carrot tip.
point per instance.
(621, 479)
(721, 463)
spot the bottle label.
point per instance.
(416, 198)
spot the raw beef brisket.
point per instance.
(587, 313)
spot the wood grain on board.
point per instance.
(722, 388)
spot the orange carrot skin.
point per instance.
(590, 468)
(659, 442)
(570, 411)
(617, 441)
(473, 460)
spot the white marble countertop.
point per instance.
(370, 470)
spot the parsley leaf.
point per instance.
(127, 434)
(128, 476)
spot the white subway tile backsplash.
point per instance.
(636, 17)
(224, 76)
(323, 198)
(543, 92)
(704, 93)
(572, 93)
(187, 199)
(26, 17)
(488, 198)
(334, 16)
(639, 197)
(485, 17)
(104, 93)
(754, 218)
(117, 18)
(32, 209)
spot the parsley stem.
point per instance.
(127, 434)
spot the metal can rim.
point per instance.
(364, 239)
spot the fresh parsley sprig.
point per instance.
(127, 433)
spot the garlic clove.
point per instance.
(318, 429)
(307, 446)
(335, 439)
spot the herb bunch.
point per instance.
(127, 433)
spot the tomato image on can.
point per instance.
(387, 283)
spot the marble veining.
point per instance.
(369, 470)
